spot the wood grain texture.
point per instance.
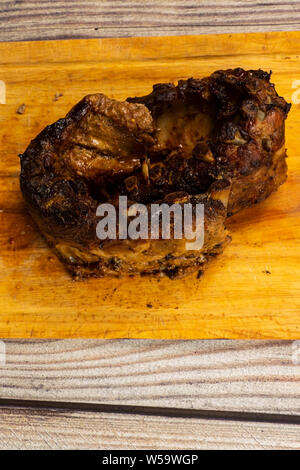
(57, 429)
(237, 297)
(233, 376)
(47, 19)
(215, 374)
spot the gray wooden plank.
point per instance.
(222, 375)
(49, 19)
(58, 429)
(245, 376)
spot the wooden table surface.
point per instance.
(248, 292)
(147, 394)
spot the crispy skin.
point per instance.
(217, 141)
(233, 121)
(82, 160)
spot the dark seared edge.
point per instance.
(247, 142)
(218, 140)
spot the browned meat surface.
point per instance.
(219, 141)
(229, 125)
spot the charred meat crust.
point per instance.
(63, 194)
(227, 142)
(247, 138)
(59, 196)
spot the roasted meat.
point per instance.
(229, 125)
(218, 141)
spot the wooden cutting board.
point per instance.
(252, 290)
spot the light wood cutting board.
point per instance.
(252, 290)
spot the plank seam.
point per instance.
(162, 32)
(152, 411)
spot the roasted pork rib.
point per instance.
(218, 141)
